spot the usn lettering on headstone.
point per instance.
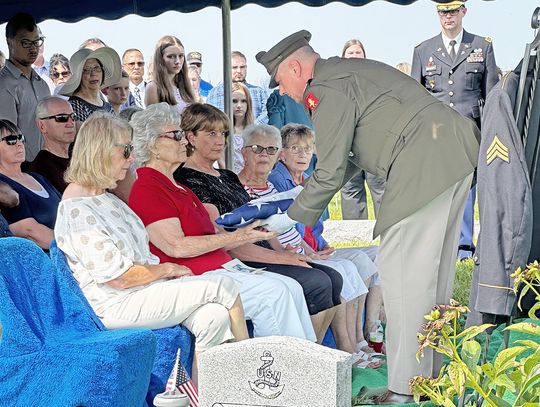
(274, 372)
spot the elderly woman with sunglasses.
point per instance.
(261, 144)
(33, 218)
(59, 71)
(206, 128)
(181, 231)
(106, 246)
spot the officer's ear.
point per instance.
(295, 67)
(464, 11)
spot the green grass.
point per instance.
(463, 281)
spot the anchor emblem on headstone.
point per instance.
(267, 385)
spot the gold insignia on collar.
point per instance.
(497, 150)
(488, 39)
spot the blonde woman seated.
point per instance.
(182, 232)
(106, 246)
(261, 146)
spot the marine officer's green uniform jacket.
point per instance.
(369, 115)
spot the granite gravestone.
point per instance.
(274, 372)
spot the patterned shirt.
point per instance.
(83, 109)
(258, 96)
(102, 239)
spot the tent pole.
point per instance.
(227, 77)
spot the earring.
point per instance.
(157, 156)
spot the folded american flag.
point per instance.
(249, 212)
(179, 380)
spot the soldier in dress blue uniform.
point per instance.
(459, 69)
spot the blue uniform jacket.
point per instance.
(463, 83)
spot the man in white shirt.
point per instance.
(133, 64)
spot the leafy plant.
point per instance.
(513, 375)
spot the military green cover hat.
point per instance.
(280, 51)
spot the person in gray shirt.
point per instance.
(21, 88)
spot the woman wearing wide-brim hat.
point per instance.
(91, 72)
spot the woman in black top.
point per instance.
(220, 190)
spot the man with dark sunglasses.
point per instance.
(56, 122)
(459, 69)
(20, 86)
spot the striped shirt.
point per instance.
(291, 237)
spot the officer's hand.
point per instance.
(280, 223)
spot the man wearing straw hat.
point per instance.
(459, 69)
(369, 115)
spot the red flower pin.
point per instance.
(311, 101)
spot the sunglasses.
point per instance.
(63, 74)
(61, 117)
(12, 139)
(173, 134)
(132, 64)
(259, 149)
(454, 12)
(127, 149)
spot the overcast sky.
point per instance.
(388, 31)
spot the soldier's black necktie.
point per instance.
(452, 52)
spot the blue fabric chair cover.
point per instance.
(51, 351)
(168, 339)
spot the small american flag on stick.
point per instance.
(179, 381)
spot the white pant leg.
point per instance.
(353, 285)
(417, 267)
(297, 293)
(270, 305)
(168, 303)
(364, 265)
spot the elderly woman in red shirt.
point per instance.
(182, 232)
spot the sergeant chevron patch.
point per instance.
(497, 150)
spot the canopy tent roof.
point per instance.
(69, 11)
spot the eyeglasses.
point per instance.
(173, 134)
(93, 69)
(61, 117)
(127, 149)
(452, 13)
(63, 74)
(36, 43)
(132, 64)
(12, 139)
(271, 150)
(299, 149)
